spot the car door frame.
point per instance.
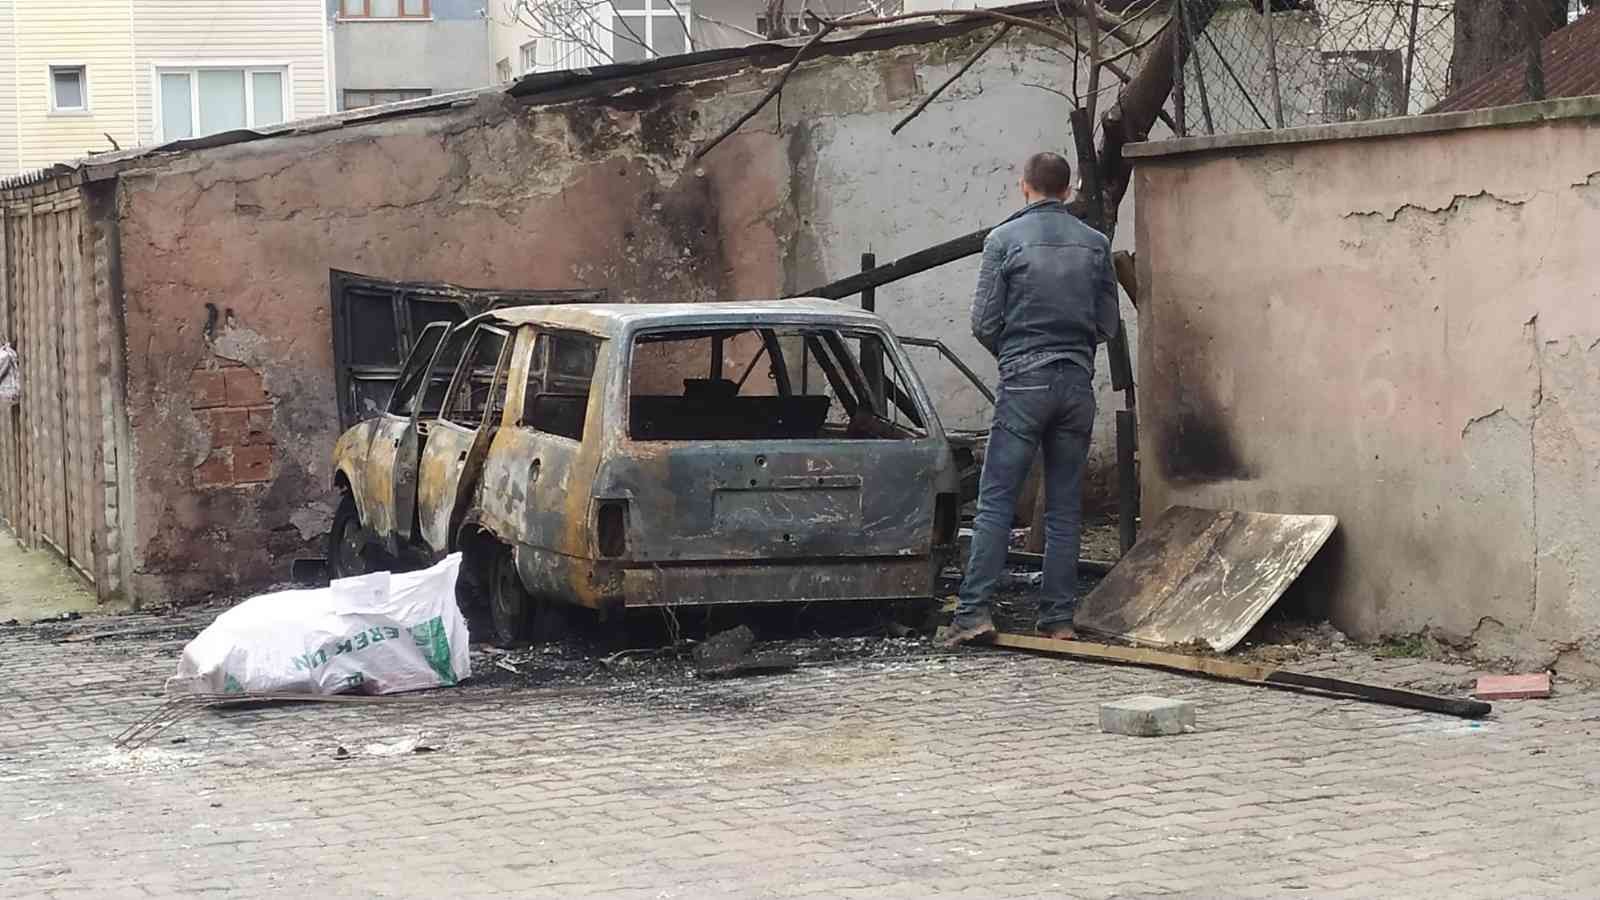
(389, 479)
(450, 463)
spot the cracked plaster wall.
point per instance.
(596, 193)
(1404, 332)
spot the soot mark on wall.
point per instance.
(1195, 440)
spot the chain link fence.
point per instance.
(1311, 62)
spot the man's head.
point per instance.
(1046, 176)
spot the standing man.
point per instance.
(1046, 296)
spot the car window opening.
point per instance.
(769, 384)
(559, 379)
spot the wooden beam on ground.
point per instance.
(1245, 673)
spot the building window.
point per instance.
(384, 9)
(529, 53)
(643, 29)
(358, 99)
(69, 89)
(794, 25)
(502, 70)
(201, 101)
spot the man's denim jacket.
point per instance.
(1046, 290)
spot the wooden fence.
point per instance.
(58, 459)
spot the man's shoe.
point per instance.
(954, 635)
(1058, 632)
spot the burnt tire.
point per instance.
(350, 550)
(516, 615)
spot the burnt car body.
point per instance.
(636, 455)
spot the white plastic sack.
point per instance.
(10, 377)
(372, 634)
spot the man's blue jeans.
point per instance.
(1051, 407)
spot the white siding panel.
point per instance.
(93, 33)
(226, 31)
(8, 89)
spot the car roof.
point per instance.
(618, 318)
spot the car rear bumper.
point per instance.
(780, 582)
(612, 586)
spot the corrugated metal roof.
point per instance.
(1571, 62)
(558, 87)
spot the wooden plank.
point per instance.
(81, 408)
(32, 387)
(1246, 673)
(110, 578)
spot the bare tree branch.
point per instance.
(934, 94)
(1135, 48)
(700, 17)
(777, 86)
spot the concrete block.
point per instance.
(1513, 687)
(1147, 716)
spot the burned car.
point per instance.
(644, 455)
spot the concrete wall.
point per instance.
(448, 52)
(232, 432)
(1402, 330)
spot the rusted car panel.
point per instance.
(584, 472)
(814, 581)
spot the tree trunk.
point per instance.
(777, 25)
(1490, 32)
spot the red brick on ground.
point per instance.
(1513, 687)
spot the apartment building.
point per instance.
(547, 35)
(95, 75)
(391, 50)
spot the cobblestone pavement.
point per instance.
(977, 773)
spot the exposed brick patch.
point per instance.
(217, 470)
(252, 464)
(228, 426)
(259, 428)
(244, 387)
(233, 407)
(207, 389)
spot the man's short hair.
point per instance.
(1048, 173)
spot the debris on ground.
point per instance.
(728, 653)
(1535, 686)
(1147, 716)
(416, 743)
(373, 634)
(724, 648)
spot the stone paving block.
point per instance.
(1513, 687)
(1147, 716)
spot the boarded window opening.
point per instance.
(376, 324)
(769, 384)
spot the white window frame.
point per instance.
(528, 56)
(193, 70)
(50, 88)
(614, 31)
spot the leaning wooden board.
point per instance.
(1248, 673)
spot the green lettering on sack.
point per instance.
(431, 639)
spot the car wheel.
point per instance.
(349, 544)
(518, 616)
(510, 606)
